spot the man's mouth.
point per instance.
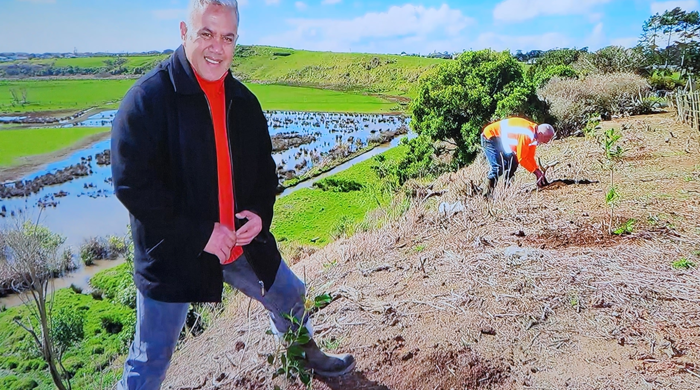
(212, 61)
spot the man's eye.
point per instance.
(206, 35)
(228, 39)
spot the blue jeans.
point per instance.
(158, 324)
(499, 161)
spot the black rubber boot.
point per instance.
(487, 187)
(326, 364)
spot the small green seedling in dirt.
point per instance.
(290, 357)
(419, 248)
(330, 344)
(591, 125)
(330, 264)
(625, 228)
(613, 155)
(683, 263)
(574, 301)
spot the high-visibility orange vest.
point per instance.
(517, 135)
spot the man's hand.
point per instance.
(541, 179)
(221, 242)
(250, 229)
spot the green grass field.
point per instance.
(96, 62)
(29, 142)
(61, 95)
(312, 216)
(375, 73)
(283, 97)
(58, 95)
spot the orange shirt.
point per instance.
(517, 135)
(216, 96)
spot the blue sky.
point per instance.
(388, 26)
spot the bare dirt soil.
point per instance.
(525, 291)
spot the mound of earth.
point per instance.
(528, 290)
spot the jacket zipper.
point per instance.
(235, 202)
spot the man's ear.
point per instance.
(183, 31)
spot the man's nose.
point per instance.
(217, 45)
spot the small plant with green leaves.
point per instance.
(330, 264)
(612, 157)
(625, 228)
(591, 125)
(683, 263)
(419, 248)
(696, 253)
(330, 344)
(291, 356)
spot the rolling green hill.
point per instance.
(369, 73)
(374, 73)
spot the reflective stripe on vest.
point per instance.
(509, 136)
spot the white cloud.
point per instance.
(170, 14)
(624, 42)
(326, 2)
(301, 5)
(661, 6)
(400, 28)
(268, 2)
(520, 10)
(597, 38)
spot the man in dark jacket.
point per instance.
(191, 161)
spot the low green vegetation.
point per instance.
(683, 263)
(374, 73)
(15, 144)
(312, 216)
(288, 98)
(75, 95)
(38, 95)
(107, 330)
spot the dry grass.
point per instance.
(573, 101)
(525, 291)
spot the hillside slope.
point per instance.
(526, 291)
(373, 73)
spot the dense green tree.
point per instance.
(457, 99)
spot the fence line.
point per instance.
(688, 107)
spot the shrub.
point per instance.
(338, 185)
(665, 81)
(67, 328)
(420, 161)
(611, 59)
(541, 78)
(93, 249)
(111, 323)
(49, 240)
(572, 102)
(116, 246)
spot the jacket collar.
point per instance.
(185, 82)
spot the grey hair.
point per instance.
(200, 5)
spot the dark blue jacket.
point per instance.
(164, 171)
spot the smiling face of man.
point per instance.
(210, 40)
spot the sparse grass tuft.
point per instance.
(683, 263)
